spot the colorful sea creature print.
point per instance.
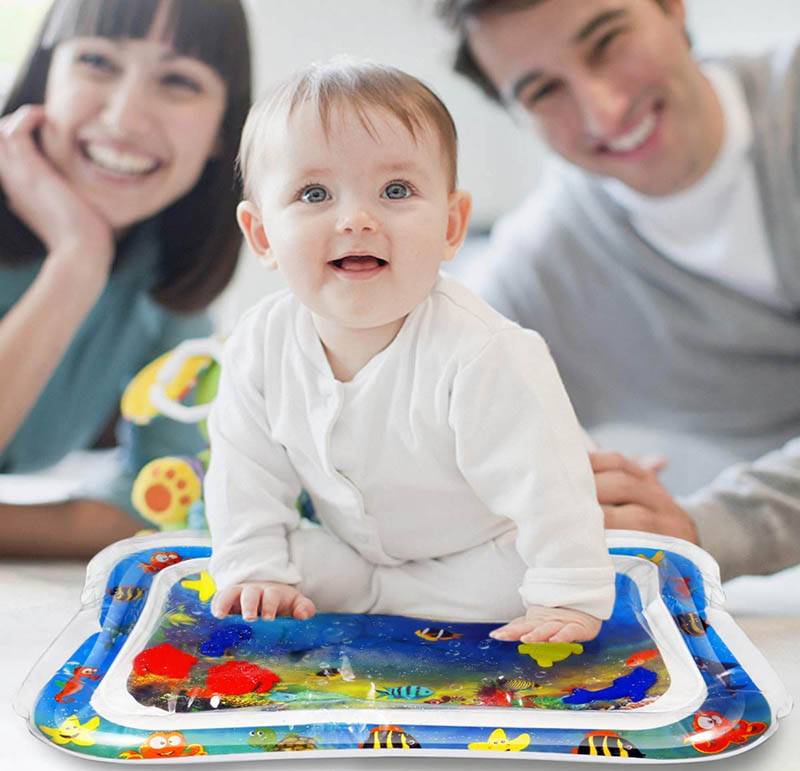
(606, 744)
(406, 692)
(160, 560)
(516, 684)
(164, 744)
(389, 737)
(499, 742)
(296, 743)
(641, 657)
(263, 739)
(691, 624)
(715, 733)
(433, 634)
(633, 686)
(234, 678)
(73, 731)
(494, 694)
(545, 654)
(225, 637)
(179, 617)
(126, 593)
(204, 586)
(655, 558)
(164, 660)
(75, 684)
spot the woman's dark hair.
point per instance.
(199, 236)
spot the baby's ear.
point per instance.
(249, 218)
(459, 207)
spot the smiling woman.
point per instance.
(117, 228)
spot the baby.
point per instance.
(436, 441)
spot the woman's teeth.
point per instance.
(120, 162)
(636, 137)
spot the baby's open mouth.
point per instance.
(358, 262)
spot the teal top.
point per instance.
(124, 331)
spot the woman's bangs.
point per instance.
(195, 28)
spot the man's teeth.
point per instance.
(120, 162)
(635, 137)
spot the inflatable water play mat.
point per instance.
(145, 672)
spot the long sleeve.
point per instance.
(520, 448)
(748, 518)
(251, 486)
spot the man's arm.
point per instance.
(71, 530)
(748, 518)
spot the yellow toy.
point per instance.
(168, 491)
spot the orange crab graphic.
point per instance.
(164, 744)
(160, 560)
(715, 733)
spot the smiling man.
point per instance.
(659, 257)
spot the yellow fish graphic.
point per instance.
(71, 730)
(499, 742)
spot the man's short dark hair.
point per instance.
(456, 13)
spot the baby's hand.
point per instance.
(542, 624)
(272, 598)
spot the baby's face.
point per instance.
(358, 224)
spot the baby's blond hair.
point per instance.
(358, 86)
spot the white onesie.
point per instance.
(447, 474)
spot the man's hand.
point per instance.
(540, 624)
(273, 599)
(632, 498)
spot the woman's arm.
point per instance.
(74, 529)
(35, 334)
(79, 243)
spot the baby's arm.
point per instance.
(251, 486)
(524, 454)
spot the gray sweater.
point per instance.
(641, 340)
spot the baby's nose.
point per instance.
(357, 220)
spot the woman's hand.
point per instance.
(270, 597)
(36, 193)
(632, 498)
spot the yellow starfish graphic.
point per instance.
(545, 654)
(499, 742)
(71, 730)
(204, 586)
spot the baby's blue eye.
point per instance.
(397, 190)
(314, 194)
